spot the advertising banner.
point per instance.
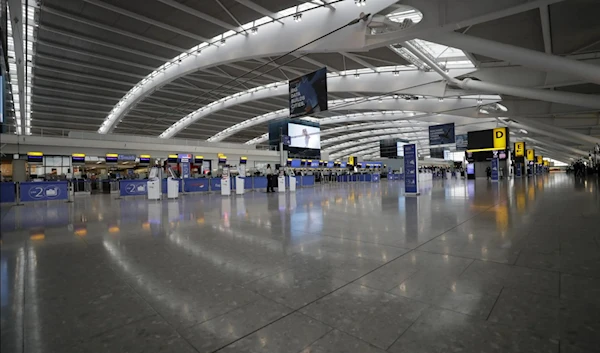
(519, 149)
(495, 169)
(462, 142)
(308, 94)
(531, 155)
(44, 191)
(411, 169)
(441, 134)
(303, 136)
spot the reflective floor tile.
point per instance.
(371, 315)
(148, 335)
(290, 334)
(339, 342)
(580, 324)
(295, 288)
(442, 331)
(579, 288)
(528, 311)
(223, 330)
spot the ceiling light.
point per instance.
(254, 30)
(441, 99)
(523, 131)
(396, 96)
(223, 41)
(396, 73)
(298, 17)
(356, 75)
(479, 101)
(360, 2)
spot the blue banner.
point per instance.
(260, 182)
(196, 185)
(44, 191)
(133, 187)
(7, 192)
(185, 170)
(376, 178)
(308, 180)
(518, 169)
(308, 94)
(495, 169)
(441, 134)
(411, 173)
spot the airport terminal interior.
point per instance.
(300, 176)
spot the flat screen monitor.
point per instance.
(344, 165)
(302, 136)
(296, 163)
(400, 149)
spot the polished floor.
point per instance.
(465, 267)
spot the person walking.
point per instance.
(270, 178)
(488, 172)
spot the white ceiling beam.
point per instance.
(315, 62)
(546, 30)
(146, 20)
(16, 19)
(261, 10)
(199, 14)
(359, 61)
(88, 22)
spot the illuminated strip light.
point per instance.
(486, 149)
(29, 37)
(196, 50)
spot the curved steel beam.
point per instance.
(272, 39)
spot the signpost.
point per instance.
(495, 170)
(411, 170)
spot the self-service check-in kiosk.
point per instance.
(172, 185)
(240, 179)
(154, 184)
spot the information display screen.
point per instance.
(303, 136)
(400, 149)
(308, 94)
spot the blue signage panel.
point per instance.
(133, 187)
(185, 170)
(411, 167)
(308, 180)
(7, 192)
(127, 157)
(44, 191)
(375, 178)
(441, 134)
(495, 169)
(518, 169)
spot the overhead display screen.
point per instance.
(303, 136)
(441, 134)
(308, 94)
(400, 149)
(488, 140)
(388, 148)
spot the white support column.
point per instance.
(517, 55)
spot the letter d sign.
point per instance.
(500, 138)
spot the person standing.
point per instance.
(270, 178)
(488, 172)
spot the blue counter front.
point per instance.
(44, 191)
(196, 185)
(215, 184)
(307, 180)
(134, 187)
(7, 192)
(375, 177)
(260, 182)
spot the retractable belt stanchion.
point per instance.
(71, 192)
(18, 194)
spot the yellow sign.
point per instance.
(78, 155)
(531, 155)
(540, 159)
(546, 163)
(172, 156)
(35, 154)
(351, 160)
(244, 158)
(112, 155)
(519, 149)
(144, 156)
(500, 138)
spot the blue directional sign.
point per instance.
(411, 175)
(133, 187)
(44, 191)
(495, 170)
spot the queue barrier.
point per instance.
(43, 191)
(8, 192)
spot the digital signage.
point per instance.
(462, 142)
(441, 134)
(35, 157)
(303, 136)
(487, 140)
(145, 159)
(112, 158)
(519, 149)
(78, 158)
(308, 93)
(388, 148)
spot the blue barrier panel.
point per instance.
(308, 180)
(367, 177)
(44, 191)
(375, 178)
(7, 192)
(196, 185)
(133, 187)
(260, 182)
(248, 183)
(215, 184)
